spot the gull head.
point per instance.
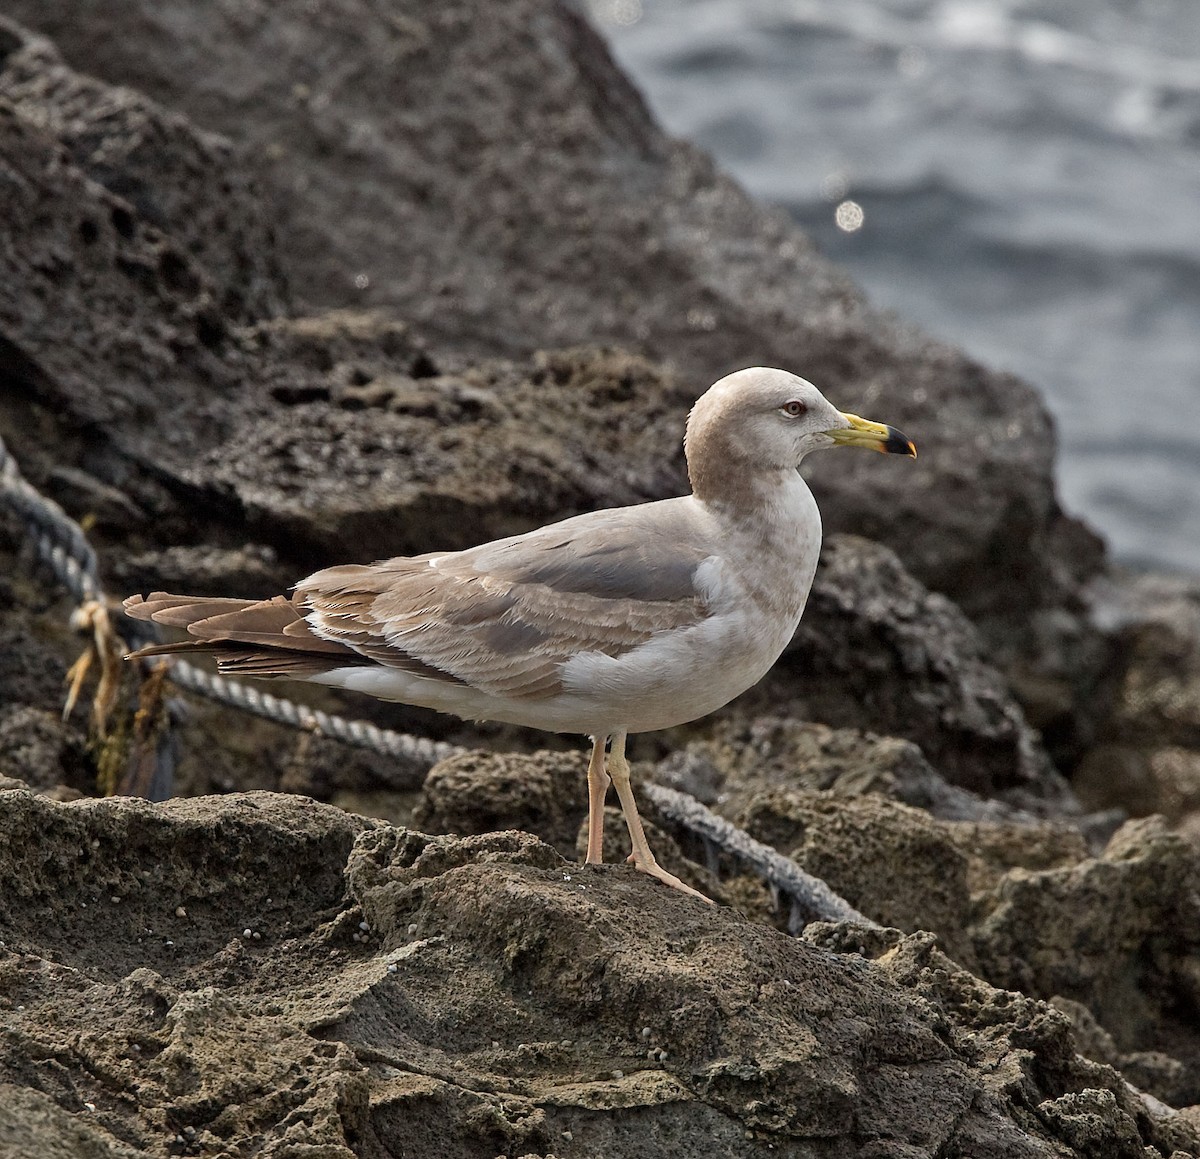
(762, 419)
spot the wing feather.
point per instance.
(505, 617)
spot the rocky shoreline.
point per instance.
(283, 287)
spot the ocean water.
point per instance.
(1021, 177)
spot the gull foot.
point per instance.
(656, 870)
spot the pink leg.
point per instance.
(597, 791)
(641, 856)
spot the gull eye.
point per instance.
(794, 409)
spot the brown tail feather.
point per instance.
(271, 662)
(177, 646)
(179, 611)
(259, 662)
(274, 624)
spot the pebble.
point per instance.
(247, 932)
(392, 968)
(180, 912)
(366, 929)
(646, 1032)
(412, 929)
(618, 1074)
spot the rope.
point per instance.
(61, 544)
(416, 751)
(59, 540)
(811, 898)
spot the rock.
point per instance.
(892, 863)
(106, 321)
(275, 862)
(577, 220)
(33, 669)
(1091, 1039)
(43, 752)
(543, 793)
(465, 997)
(1146, 755)
(1094, 1115)
(165, 174)
(251, 570)
(34, 1126)
(484, 450)
(1118, 934)
(739, 757)
(876, 650)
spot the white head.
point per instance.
(758, 422)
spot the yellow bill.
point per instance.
(873, 436)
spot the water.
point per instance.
(1025, 181)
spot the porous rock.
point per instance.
(444, 460)
(173, 177)
(461, 995)
(1118, 933)
(37, 747)
(1146, 752)
(543, 793)
(576, 219)
(108, 316)
(738, 755)
(876, 650)
(889, 861)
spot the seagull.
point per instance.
(613, 622)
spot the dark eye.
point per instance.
(794, 409)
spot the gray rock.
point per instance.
(490, 174)
(166, 175)
(1117, 933)
(260, 964)
(1145, 756)
(879, 652)
(37, 748)
(740, 758)
(108, 324)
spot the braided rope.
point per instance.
(416, 751)
(63, 546)
(59, 540)
(811, 898)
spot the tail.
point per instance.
(248, 637)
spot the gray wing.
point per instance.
(505, 616)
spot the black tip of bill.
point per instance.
(898, 443)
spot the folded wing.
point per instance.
(502, 618)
